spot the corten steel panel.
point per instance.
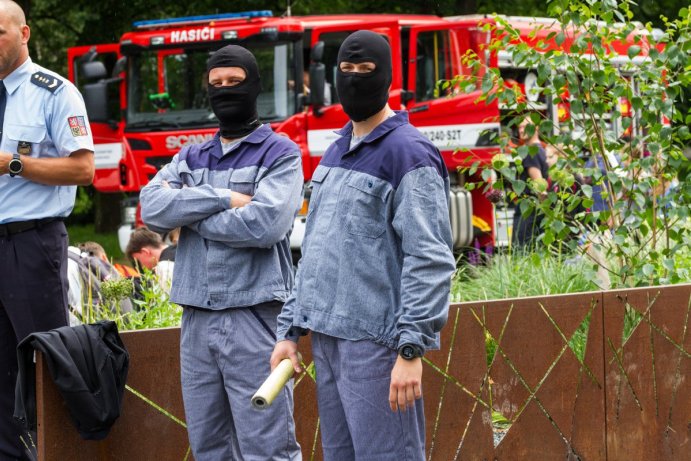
(456, 420)
(647, 375)
(142, 432)
(555, 403)
(306, 417)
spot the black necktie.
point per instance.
(3, 102)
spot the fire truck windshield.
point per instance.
(167, 87)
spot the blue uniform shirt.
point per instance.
(44, 119)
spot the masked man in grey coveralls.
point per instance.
(235, 198)
(374, 280)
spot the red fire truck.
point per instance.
(146, 96)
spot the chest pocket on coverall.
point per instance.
(318, 178)
(367, 198)
(243, 181)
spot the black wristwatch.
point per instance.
(410, 351)
(15, 166)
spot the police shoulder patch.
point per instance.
(46, 81)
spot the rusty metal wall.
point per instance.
(142, 432)
(511, 382)
(551, 403)
(648, 371)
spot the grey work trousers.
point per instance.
(224, 358)
(357, 424)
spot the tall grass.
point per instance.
(520, 274)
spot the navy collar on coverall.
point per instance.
(343, 143)
(255, 137)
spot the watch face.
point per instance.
(407, 352)
(410, 351)
(15, 166)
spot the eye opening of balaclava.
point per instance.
(364, 94)
(235, 106)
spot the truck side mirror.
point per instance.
(317, 52)
(317, 83)
(317, 72)
(96, 101)
(119, 67)
(93, 70)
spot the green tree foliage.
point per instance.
(641, 236)
(57, 26)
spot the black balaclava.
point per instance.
(235, 106)
(363, 95)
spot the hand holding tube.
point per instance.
(270, 389)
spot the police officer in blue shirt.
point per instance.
(46, 149)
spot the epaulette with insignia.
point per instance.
(46, 81)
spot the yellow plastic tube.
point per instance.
(270, 389)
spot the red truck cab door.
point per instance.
(453, 120)
(461, 128)
(87, 66)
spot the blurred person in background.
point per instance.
(147, 249)
(526, 228)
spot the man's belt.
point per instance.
(17, 227)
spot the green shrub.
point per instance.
(153, 310)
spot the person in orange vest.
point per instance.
(126, 271)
